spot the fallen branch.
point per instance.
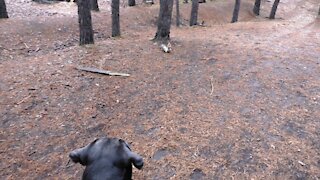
(25, 44)
(68, 164)
(100, 71)
(211, 86)
(23, 100)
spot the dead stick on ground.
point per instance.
(25, 44)
(211, 86)
(23, 100)
(100, 71)
(68, 164)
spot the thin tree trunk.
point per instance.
(319, 12)
(274, 9)
(236, 11)
(85, 24)
(164, 21)
(256, 8)
(178, 13)
(3, 9)
(194, 12)
(131, 2)
(94, 5)
(115, 18)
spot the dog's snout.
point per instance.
(138, 163)
(74, 156)
(136, 160)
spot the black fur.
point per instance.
(107, 159)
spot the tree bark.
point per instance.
(3, 9)
(115, 18)
(131, 2)
(85, 24)
(274, 9)
(178, 13)
(256, 8)
(94, 5)
(164, 21)
(236, 11)
(194, 12)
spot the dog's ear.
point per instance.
(134, 158)
(81, 155)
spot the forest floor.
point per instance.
(231, 101)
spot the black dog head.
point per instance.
(107, 158)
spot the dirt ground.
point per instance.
(232, 101)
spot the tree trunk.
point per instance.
(274, 9)
(178, 13)
(236, 11)
(131, 2)
(256, 8)
(85, 24)
(194, 12)
(94, 5)
(164, 21)
(115, 18)
(3, 9)
(319, 12)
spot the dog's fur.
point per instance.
(107, 158)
